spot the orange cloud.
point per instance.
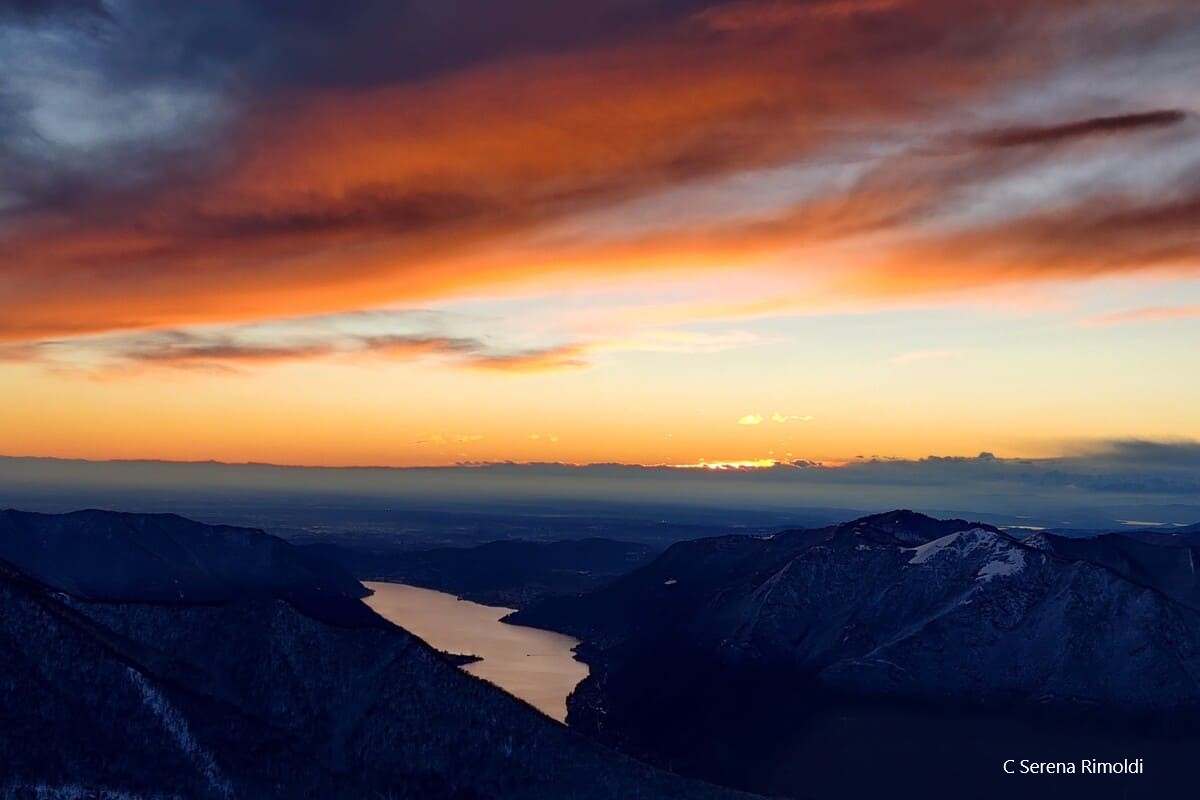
(230, 350)
(545, 360)
(773, 15)
(324, 200)
(1102, 235)
(392, 335)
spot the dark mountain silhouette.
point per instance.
(507, 573)
(226, 688)
(813, 647)
(1166, 535)
(164, 558)
(1186, 536)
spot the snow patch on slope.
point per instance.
(1005, 558)
(1009, 563)
(177, 727)
(960, 544)
(931, 549)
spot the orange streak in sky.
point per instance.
(331, 201)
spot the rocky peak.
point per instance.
(910, 528)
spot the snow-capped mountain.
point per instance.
(1168, 561)
(887, 609)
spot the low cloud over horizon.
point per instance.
(1106, 483)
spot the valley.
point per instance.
(534, 665)
(245, 666)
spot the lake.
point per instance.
(535, 665)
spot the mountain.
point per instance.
(1164, 561)
(1167, 535)
(507, 573)
(1186, 536)
(866, 633)
(164, 558)
(228, 689)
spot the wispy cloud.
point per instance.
(1148, 314)
(1082, 129)
(776, 417)
(452, 339)
(439, 439)
(784, 418)
(756, 15)
(23, 352)
(239, 348)
(568, 356)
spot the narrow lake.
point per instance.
(535, 665)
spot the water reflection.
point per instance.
(534, 665)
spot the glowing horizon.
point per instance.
(720, 233)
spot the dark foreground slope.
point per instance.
(893, 651)
(249, 697)
(511, 573)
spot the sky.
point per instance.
(644, 232)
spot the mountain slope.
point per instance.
(164, 558)
(877, 627)
(840, 602)
(250, 698)
(59, 726)
(1161, 561)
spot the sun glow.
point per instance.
(755, 463)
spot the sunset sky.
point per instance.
(639, 231)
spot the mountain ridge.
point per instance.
(881, 623)
(112, 556)
(253, 697)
